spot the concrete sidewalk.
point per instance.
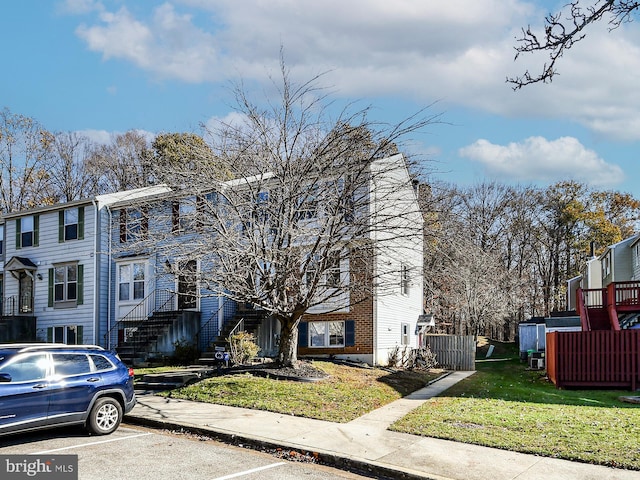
(365, 444)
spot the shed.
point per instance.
(532, 335)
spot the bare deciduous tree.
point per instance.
(121, 164)
(23, 148)
(66, 166)
(563, 30)
(311, 204)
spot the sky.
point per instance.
(104, 67)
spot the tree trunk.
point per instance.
(288, 348)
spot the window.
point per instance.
(131, 280)
(606, 266)
(27, 368)
(1, 239)
(326, 334)
(27, 231)
(312, 271)
(333, 270)
(184, 215)
(69, 334)
(65, 285)
(101, 363)
(404, 335)
(134, 224)
(404, 280)
(71, 224)
(308, 204)
(637, 254)
(66, 364)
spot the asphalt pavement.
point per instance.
(365, 445)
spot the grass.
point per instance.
(349, 392)
(504, 405)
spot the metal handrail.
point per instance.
(141, 313)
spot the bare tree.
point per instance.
(310, 193)
(563, 30)
(121, 164)
(66, 166)
(24, 181)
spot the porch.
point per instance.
(616, 307)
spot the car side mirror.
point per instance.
(5, 377)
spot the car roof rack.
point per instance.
(26, 347)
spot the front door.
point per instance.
(26, 292)
(188, 285)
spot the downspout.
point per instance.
(374, 268)
(109, 240)
(96, 274)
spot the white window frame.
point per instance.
(68, 222)
(133, 284)
(62, 334)
(26, 229)
(322, 330)
(62, 276)
(405, 280)
(405, 334)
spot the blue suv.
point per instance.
(50, 385)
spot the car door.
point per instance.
(24, 393)
(72, 387)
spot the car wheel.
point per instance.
(105, 416)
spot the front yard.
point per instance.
(346, 394)
(502, 405)
(506, 406)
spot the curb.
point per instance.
(353, 465)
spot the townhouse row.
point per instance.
(67, 276)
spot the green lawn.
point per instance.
(504, 405)
(348, 393)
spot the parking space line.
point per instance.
(94, 443)
(253, 470)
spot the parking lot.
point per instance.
(144, 454)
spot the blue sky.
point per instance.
(104, 67)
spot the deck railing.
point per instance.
(603, 358)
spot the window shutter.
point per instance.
(61, 226)
(50, 299)
(18, 233)
(175, 217)
(80, 223)
(50, 334)
(349, 333)
(144, 226)
(36, 230)
(123, 226)
(79, 335)
(80, 294)
(303, 334)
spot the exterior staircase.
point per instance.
(615, 307)
(246, 319)
(629, 320)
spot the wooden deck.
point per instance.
(594, 359)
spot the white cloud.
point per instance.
(168, 44)
(104, 137)
(537, 159)
(457, 51)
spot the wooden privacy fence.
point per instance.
(454, 352)
(598, 358)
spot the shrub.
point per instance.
(242, 347)
(184, 352)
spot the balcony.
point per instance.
(616, 307)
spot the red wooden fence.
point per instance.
(594, 359)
